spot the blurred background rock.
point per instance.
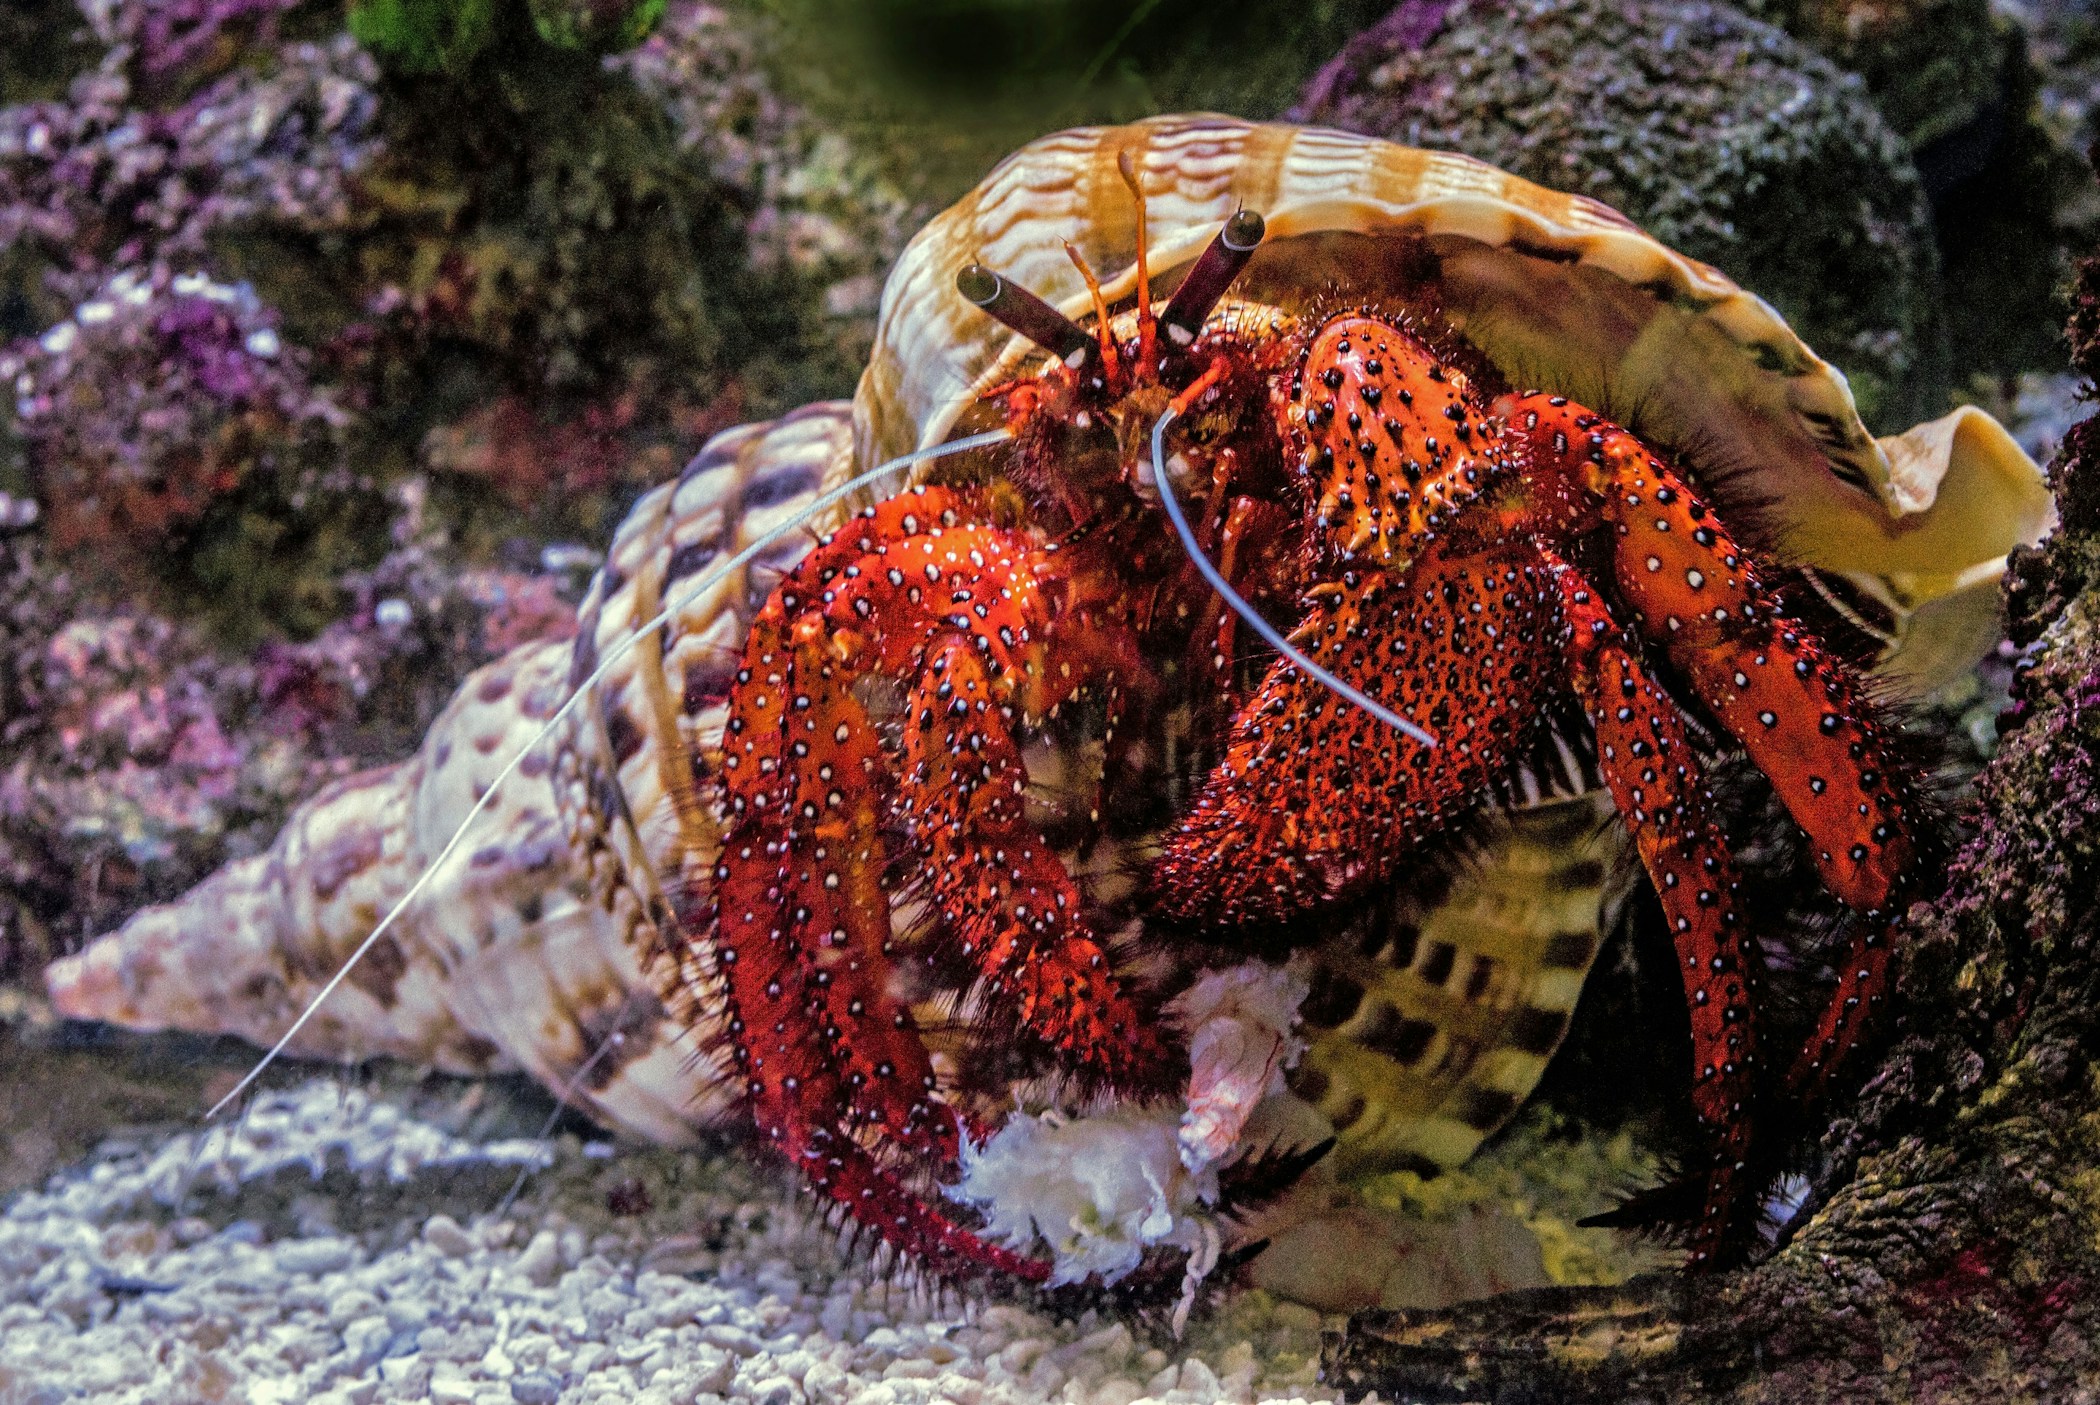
(337, 334)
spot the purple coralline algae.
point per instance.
(203, 616)
(172, 34)
(95, 182)
(156, 387)
(153, 398)
(136, 755)
(815, 207)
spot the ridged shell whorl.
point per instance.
(541, 944)
(1561, 292)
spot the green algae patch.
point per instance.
(1548, 1171)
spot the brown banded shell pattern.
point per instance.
(1559, 291)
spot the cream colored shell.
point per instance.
(541, 944)
(1561, 292)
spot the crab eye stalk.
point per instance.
(1212, 274)
(1023, 312)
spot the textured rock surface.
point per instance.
(1716, 132)
(309, 360)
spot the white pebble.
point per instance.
(443, 1233)
(541, 1261)
(314, 1257)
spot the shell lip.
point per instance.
(1559, 291)
(1458, 196)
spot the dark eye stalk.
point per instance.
(1024, 312)
(1220, 263)
(1182, 318)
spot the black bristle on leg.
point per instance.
(1659, 1209)
(1254, 1181)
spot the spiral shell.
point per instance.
(543, 944)
(540, 944)
(1559, 291)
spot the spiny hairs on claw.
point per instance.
(871, 478)
(1205, 283)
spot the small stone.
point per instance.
(407, 1316)
(190, 1230)
(443, 1233)
(348, 1306)
(314, 1257)
(824, 1383)
(366, 1339)
(775, 1390)
(729, 1338)
(535, 1388)
(396, 1370)
(1199, 1380)
(541, 1262)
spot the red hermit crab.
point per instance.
(1452, 554)
(877, 854)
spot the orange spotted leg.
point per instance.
(964, 614)
(1656, 782)
(1800, 712)
(801, 925)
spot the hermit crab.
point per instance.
(989, 796)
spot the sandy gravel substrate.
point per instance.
(335, 1249)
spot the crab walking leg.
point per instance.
(832, 871)
(962, 613)
(797, 1098)
(1314, 798)
(1802, 715)
(1661, 794)
(799, 756)
(1007, 898)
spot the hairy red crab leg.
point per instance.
(822, 1045)
(1802, 715)
(789, 1074)
(798, 754)
(964, 614)
(1659, 788)
(1314, 798)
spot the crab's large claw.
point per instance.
(1315, 799)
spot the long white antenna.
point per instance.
(619, 651)
(1245, 611)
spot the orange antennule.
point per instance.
(1148, 328)
(1109, 359)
